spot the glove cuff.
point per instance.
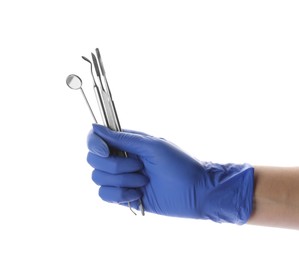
(229, 197)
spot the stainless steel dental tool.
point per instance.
(104, 100)
(74, 82)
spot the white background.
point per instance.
(218, 78)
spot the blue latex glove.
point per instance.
(168, 181)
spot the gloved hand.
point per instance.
(168, 181)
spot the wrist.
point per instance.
(229, 192)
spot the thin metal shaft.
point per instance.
(94, 118)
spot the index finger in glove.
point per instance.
(114, 164)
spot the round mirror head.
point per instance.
(73, 81)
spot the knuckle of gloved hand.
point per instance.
(157, 145)
(115, 166)
(90, 159)
(105, 195)
(121, 181)
(140, 180)
(153, 144)
(95, 177)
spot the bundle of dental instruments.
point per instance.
(104, 100)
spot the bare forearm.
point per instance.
(276, 197)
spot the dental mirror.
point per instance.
(74, 82)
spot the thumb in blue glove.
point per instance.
(169, 181)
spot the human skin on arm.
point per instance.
(276, 197)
